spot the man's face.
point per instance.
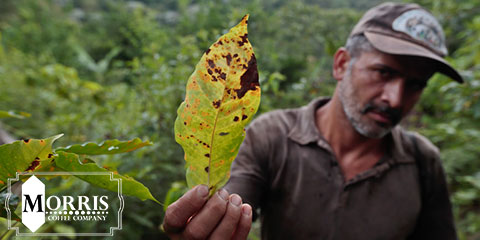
(379, 89)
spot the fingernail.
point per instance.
(202, 191)
(246, 210)
(235, 200)
(223, 194)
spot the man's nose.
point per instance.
(393, 92)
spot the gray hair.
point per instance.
(356, 45)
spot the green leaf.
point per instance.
(21, 115)
(107, 147)
(25, 155)
(70, 162)
(222, 95)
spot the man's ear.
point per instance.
(340, 63)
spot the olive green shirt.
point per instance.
(286, 169)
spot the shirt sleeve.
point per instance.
(436, 219)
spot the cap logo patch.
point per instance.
(422, 26)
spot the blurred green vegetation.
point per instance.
(104, 69)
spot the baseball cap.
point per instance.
(406, 29)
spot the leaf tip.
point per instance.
(57, 136)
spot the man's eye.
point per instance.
(384, 73)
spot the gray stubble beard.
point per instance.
(354, 114)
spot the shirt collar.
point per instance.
(305, 131)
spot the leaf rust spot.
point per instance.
(50, 155)
(223, 133)
(223, 76)
(206, 169)
(208, 51)
(211, 63)
(26, 140)
(34, 164)
(207, 155)
(244, 117)
(229, 59)
(216, 104)
(210, 71)
(220, 42)
(235, 55)
(249, 80)
(244, 40)
(235, 119)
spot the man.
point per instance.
(340, 168)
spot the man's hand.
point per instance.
(194, 216)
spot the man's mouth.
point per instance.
(383, 115)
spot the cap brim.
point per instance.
(397, 46)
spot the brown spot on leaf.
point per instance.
(26, 140)
(223, 76)
(223, 133)
(207, 155)
(229, 59)
(249, 80)
(184, 123)
(235, 119)
(34, 164)
(216, 104)
(244, 117)
(50, 155)
(206, 169)
(210, 71)
(220, 42)
(208, 51)
(235, 55)
(211, 63)
(214, 79)
(244, 38)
